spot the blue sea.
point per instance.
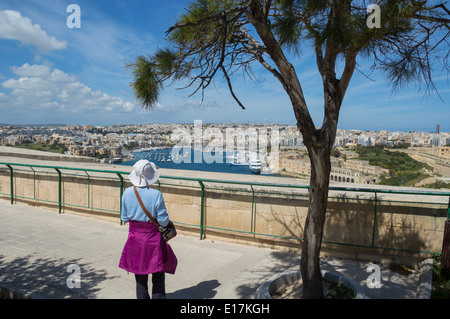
(188, 161)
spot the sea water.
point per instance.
(190, 160)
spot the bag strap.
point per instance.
(144, 209)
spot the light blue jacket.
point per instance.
(153, 201)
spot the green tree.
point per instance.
(335, 152)
(216, 37)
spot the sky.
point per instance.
(53, 71)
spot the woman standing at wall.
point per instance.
(145, 251)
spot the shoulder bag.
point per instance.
(167, 232)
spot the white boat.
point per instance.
(255, 166)
(116, 160)
(238, 159)
(236, 162)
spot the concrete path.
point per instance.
(38, 247)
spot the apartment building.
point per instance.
(354, 171)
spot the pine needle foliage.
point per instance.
(217, 39)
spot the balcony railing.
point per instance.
(207, 184)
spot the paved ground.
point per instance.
(38, 246)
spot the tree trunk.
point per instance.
(445, 258)
(318, 141)
(313, 231)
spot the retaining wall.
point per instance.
(359, 224)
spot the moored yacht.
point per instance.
(255, 166)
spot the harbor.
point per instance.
(197, 160)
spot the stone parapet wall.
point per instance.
(393, 226)
(6, 151)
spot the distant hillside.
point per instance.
(54, 148)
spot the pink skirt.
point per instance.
(145, 251)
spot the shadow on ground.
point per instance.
(282, 261)
(393, 284)
(39, 277)
(203, 290)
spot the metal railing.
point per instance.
(203, 194)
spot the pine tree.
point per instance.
(402, 38)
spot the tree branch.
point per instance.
(286, 70)
(266, 9)
(319, 58)
(350, 65)
(258, 55)
(444, 21)
(230, 87)
(206, 20)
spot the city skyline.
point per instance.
(55, 72)
(433, 130)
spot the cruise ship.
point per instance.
(246, 159)
(255, 166)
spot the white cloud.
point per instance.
(129, 106)
(31, 70)
(14, 26)
(41, 88)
